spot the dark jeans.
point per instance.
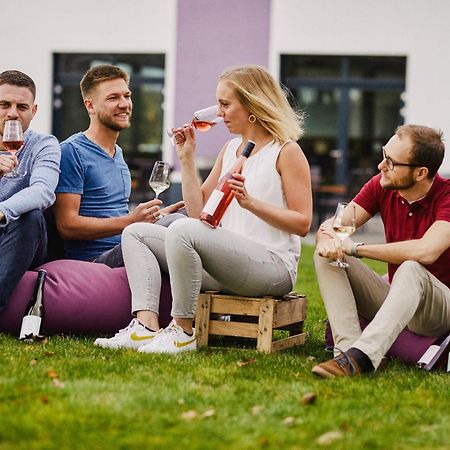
(113, 257)
(23, 245)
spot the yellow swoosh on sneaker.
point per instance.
(136, 337)
(183, 344)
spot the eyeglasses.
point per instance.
(391, 164)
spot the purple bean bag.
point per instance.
(79, 298)
(408, 346)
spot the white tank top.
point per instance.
(262, 181)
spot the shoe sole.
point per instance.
(320, 372)
(111, 347)
(115, 347)
(167, 352)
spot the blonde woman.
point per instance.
(255, 251)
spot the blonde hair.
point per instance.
(266, 99)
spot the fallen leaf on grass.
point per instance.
(57, 383)
(257, 409)
(209, 413)
(330, 437)
(263, 441)
(189, 415)
(33, 362)
(49, 354)
(246, 362)
(44, 399)
(52, 373)
(309, 398)
(289, 420)
(310, 358)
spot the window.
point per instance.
(141, 143)
(352, 105)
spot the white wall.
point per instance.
(417, 29)
(32, 30)
(44, 27)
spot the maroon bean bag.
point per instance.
(79, 298)
(408, 346)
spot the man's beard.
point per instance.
(109, 123)
(406, 182)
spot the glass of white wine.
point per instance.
(344, 224)
(159, 179)
(203, 120)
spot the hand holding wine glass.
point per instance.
(344, 224)
(203, 120)
(13, 142)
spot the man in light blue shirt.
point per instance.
(103, 184)
(23, 236)
(94, 187)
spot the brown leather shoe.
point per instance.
(343, 365)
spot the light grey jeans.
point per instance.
(197, 258)
(415, 299)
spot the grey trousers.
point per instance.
(415, 299)
(197, 258)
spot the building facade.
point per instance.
(356, 68)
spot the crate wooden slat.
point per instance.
(248, 307)
(269, 313)
(241, 329)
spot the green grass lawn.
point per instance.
(67, 394)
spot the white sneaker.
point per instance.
(135, 335)
(172, 339)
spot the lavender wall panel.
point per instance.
(211, 36)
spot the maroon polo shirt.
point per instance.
(403, 221)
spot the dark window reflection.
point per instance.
(142, 141)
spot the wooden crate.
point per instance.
(252, 318)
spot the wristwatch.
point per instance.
(354, 250)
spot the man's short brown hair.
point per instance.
(98, 74)
(428, 146)
(20, 79)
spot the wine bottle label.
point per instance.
(213, 202)
(31, 326)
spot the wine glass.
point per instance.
(159, 178)
(344, 224)
(13, 142)
(203, 120)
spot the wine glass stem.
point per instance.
(156, 196)
(340, 260)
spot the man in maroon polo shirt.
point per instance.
(414, 204)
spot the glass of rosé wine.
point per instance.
(203, 120)
(13, 142)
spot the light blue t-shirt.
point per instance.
(104, 184)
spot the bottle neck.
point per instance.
(246, 152)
